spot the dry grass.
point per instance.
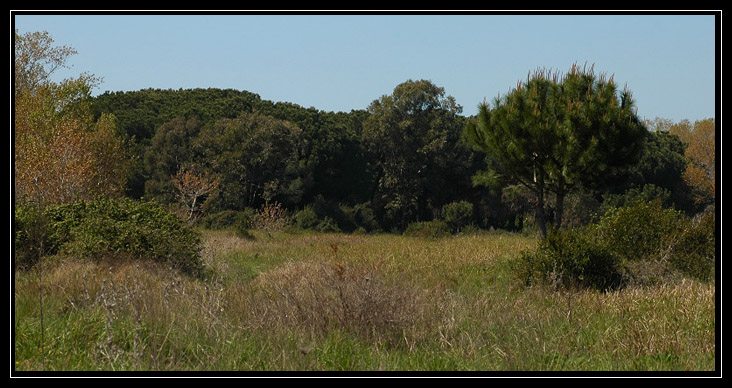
(348, 302)
(316, 298)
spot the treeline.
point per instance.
(564, 156)
(399, 161)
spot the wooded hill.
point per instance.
(399, 161)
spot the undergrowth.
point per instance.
(335, 302)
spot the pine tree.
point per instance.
(556, 133)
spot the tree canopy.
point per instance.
(61, 153)
(401, 160)
(412, 137)
(555, 133)
(257, 158)
(701, 155)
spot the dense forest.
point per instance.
(399, 161)
(558, 151)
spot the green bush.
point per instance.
(326, 216)
(457, 215)
(428, 229)
(227, 219)
(572, 258)
(641, 243)
(220, 220)
(692, 249)
(306, 218)
(580, 209)
(638, 230)
(31, 237)
(648, 193)
(364, 217)
(107, 227)
(243, 232)
(328, 225)
(245, 220)
(359, 217)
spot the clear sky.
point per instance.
(339, 62)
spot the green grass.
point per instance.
(337, 302)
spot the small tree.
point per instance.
(272, 217)
(192, 187)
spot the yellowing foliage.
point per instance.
(191, 187)
(61, 154)
(700, 174)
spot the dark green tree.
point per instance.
(170, 150)
(331, 146)
(141, 113)
(257, 158)
(662, 165)
(411, 137)
(556, 133)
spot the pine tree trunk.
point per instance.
(540, 213)
(560, 209)
(541, 217)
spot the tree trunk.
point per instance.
(540, 213)
(541, 217)
(193, 207)
(559, 211)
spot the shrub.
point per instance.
(358, 217)
(457, 215)
(648, 193)
(221, 220)
(572, 258)
(648, 236)
(471, 230)
(364, 217)
(272, 217)
(326, 216)
(306, 218)
(124, 227)
(242, 230)
(638, 244)
(241, 221)
(692, 247)
(580, 209)
(428, 229)
(328, 225)
(638, 230)
(327, 208)
(31, 238)
(229, 218)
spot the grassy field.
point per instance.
(365, 303)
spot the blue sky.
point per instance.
(343, 62)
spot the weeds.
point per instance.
(340, 302)
(318, 297)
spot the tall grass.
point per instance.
(336, 302)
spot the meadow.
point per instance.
(368, 304)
